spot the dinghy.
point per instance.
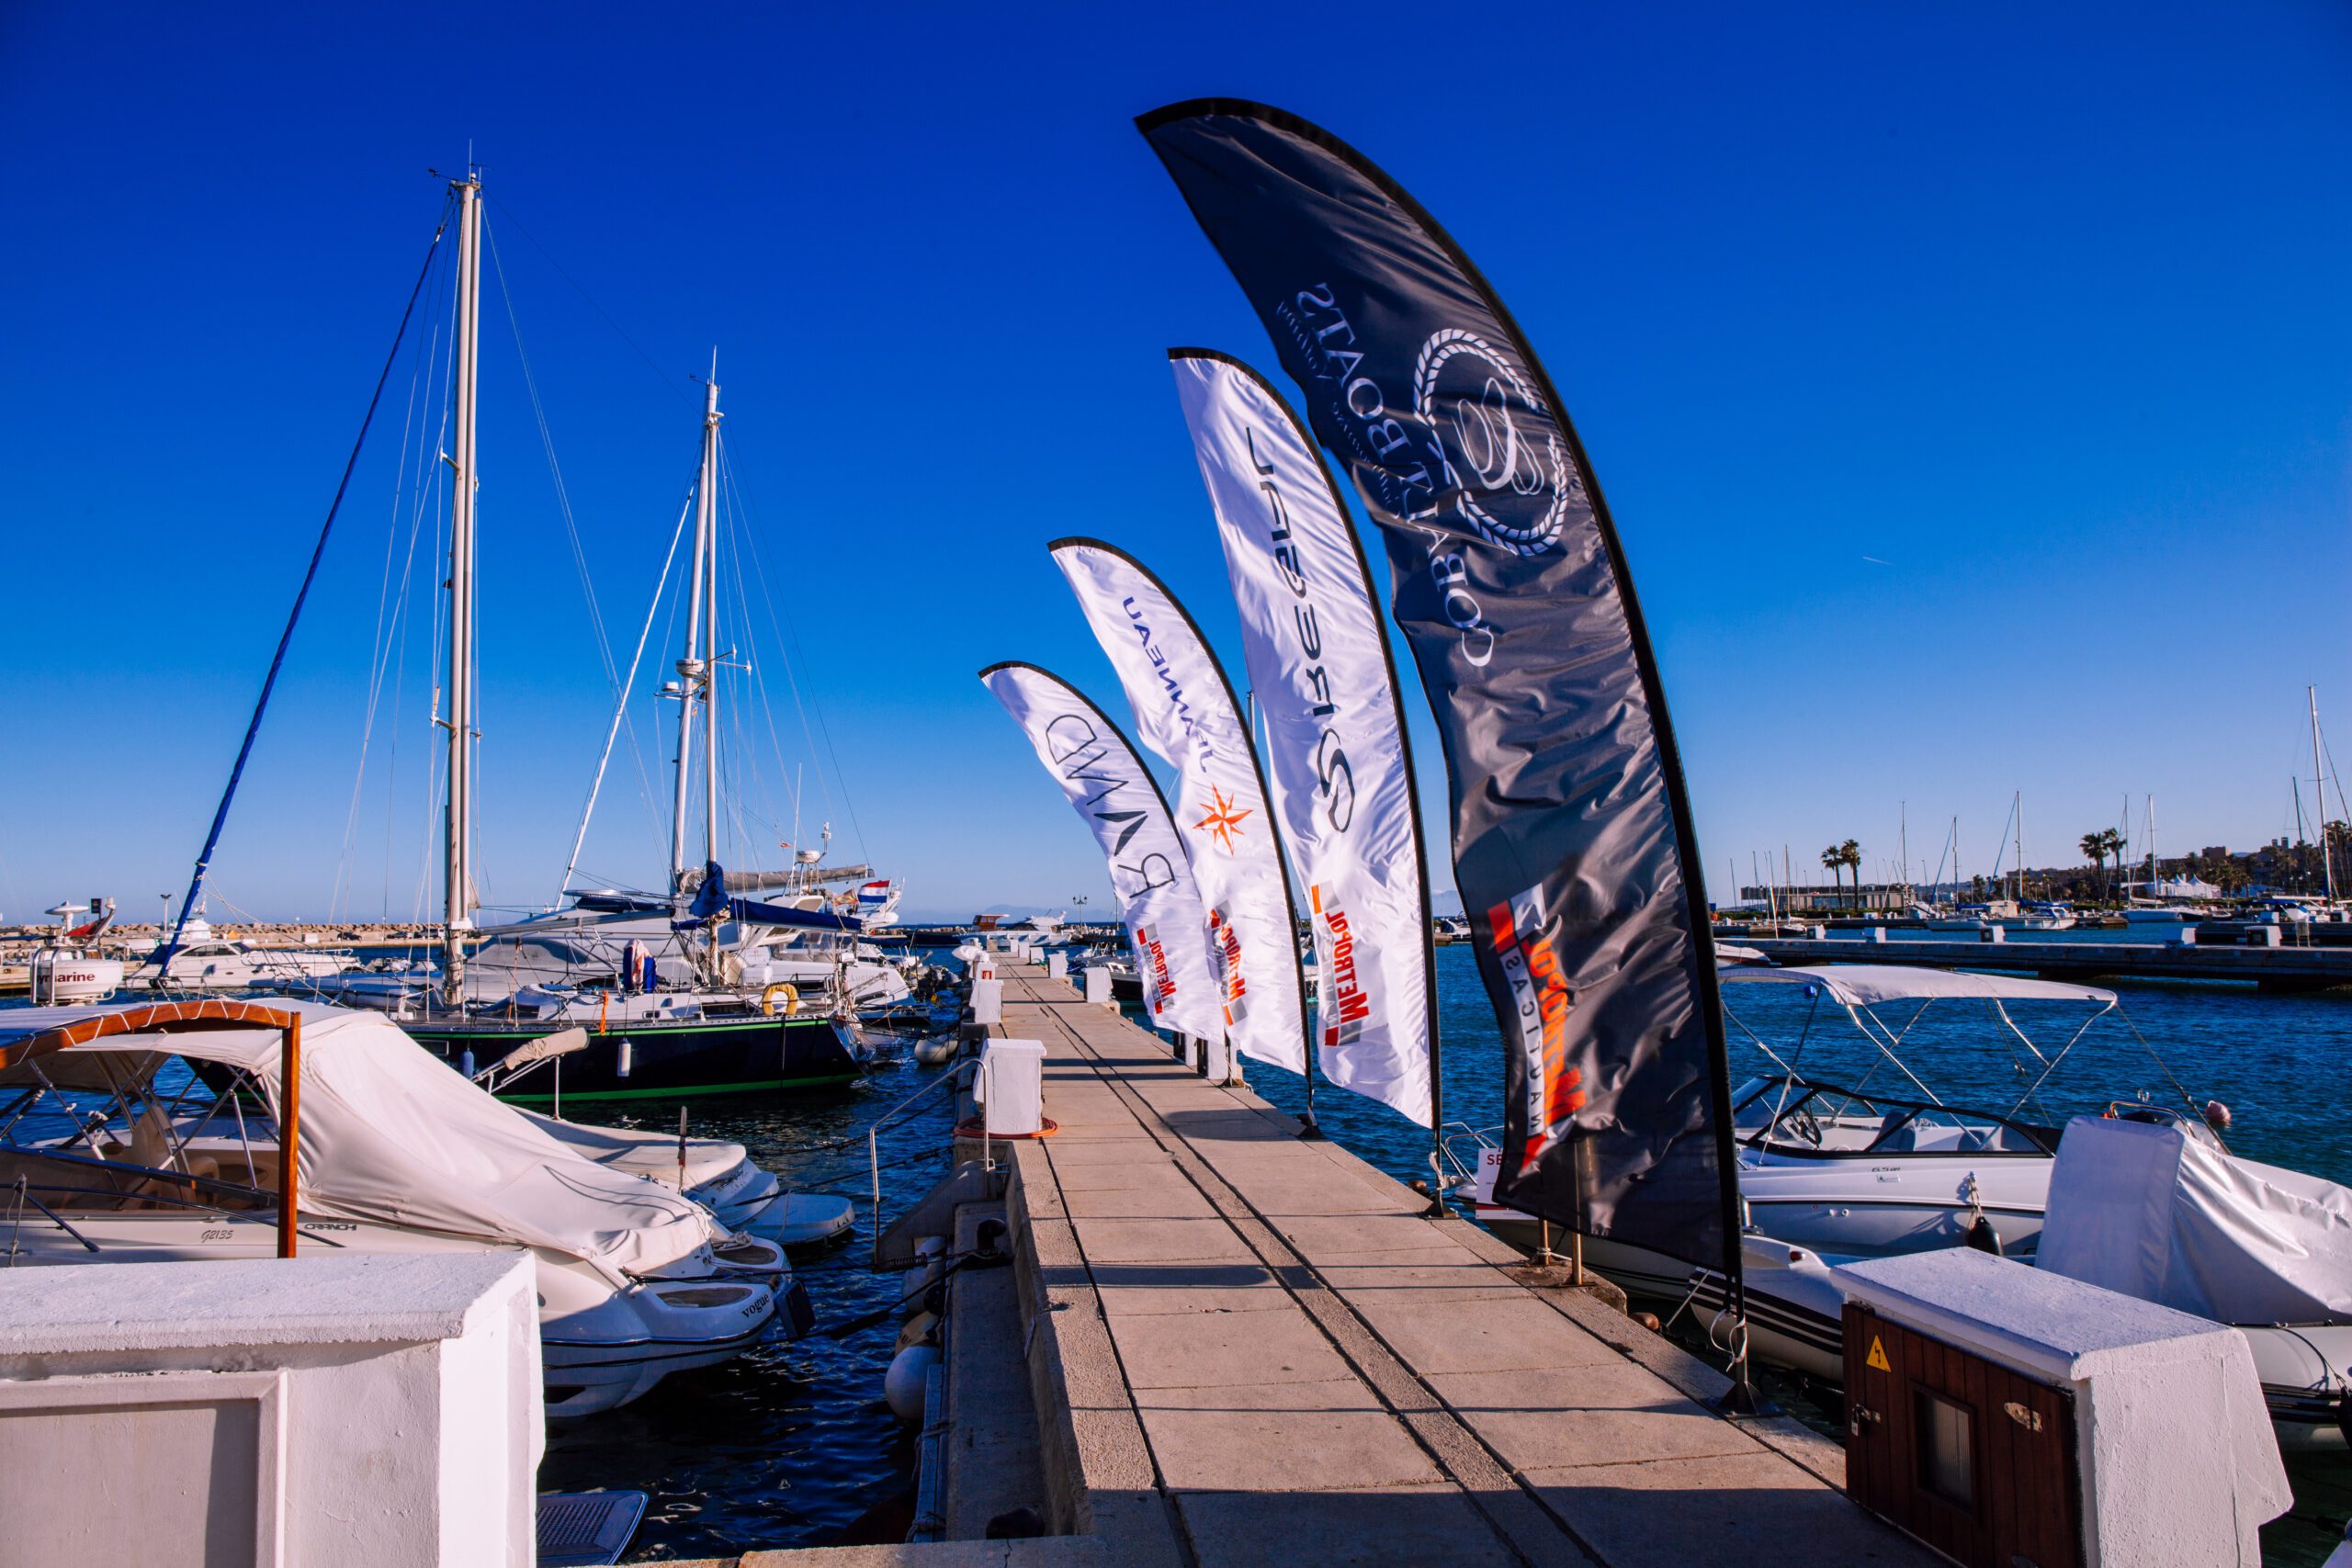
(721, 1177)
(149, 1132)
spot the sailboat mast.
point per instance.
(693, 674)
(708, 525)
(457, 888)
(2017, 871)
(2319, 797)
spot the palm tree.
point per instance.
(1849, 854)
(1833, 859)
(2094, 847)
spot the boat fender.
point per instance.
(1983, 1237)
(791, 998)
(2217, 1116)
(620, 1069)
(466, 1065)
(1648, 1320)
(902, 1385)
(933, 1052)
(917, 1329)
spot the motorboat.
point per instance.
(720, 1176)
(1857, 1171)
(205, 962)
(2153, 1206)
(150, 1132)
(2148, 1203)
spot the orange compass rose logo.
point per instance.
(1224, 821)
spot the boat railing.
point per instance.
(1464, 1173)
(951, 1077)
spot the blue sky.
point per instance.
(1970, 384)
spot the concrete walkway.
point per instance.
(1257, 1350)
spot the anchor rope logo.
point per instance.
(1461, 385)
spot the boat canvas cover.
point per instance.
(1867, 985)
(391, 1135)
(2146, 1210)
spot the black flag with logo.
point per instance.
(1572, 837)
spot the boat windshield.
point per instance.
(134, 1132)
(1788, 1115)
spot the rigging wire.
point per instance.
(623, 689)
(309, 576)
(428, 494)
(421, 375)
(663, 376)
(790, 647)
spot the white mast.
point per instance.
(2016, 872)
(457, 890)
(711, 656)
(2319, 797)
(693, 670)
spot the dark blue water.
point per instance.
(2276, 1061)
(787, 1446)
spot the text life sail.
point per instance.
(1185, 711)
(1335, 743)
(1116, 798)
(1572, 837)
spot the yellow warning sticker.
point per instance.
(1876, 1360)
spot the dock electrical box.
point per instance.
(2011, 1418)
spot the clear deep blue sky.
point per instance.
(1970, 383)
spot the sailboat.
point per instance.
(689, 991)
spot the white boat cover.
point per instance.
(391, 1135)
(2146, 1210)
(1866, 984)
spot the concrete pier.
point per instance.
(1243, 1348)
(2283, 968)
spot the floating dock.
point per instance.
(2281, 968)
(1243, 1348)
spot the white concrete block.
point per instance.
(1057, 965)
(1097, 987)
(986, 1001)
(361, 1410)
(1012, 1076)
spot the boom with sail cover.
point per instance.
(1572, 837)
(1339, 761)
(1116, 798)
(1185, 711)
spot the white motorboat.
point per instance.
(721, 1177)
(2155, 1208)
(148, 1132)
(2149, 1204)
(1855, 1172)
(204, 961)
